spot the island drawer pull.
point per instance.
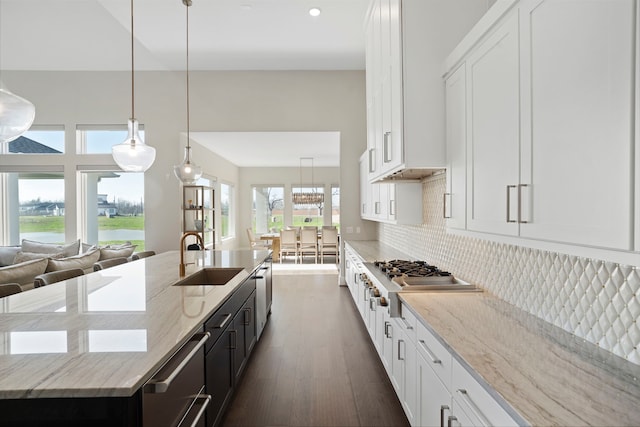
(224, 322)
(161, 386)
(203, 401)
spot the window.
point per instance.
(226, 211)
(335, 206)
(114, 208)
(100, 139)
(40, 207)
(308, 214)
(268, 209)
(37, 140)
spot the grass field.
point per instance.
(55, 224)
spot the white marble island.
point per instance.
(106, 333)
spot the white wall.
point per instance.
(220, 101)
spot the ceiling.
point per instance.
(223, 35)
(88, 35)
(283, 149)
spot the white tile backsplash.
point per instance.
(595, 300)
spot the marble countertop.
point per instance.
(549, 376)
(106, 333)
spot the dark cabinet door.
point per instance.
(238, 343)
(219, 374)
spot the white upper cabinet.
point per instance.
(577, 121)
(493, 130)
(455, 198)
(550, 112)
(407, 40)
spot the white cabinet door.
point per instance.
(577, 121)
(410, 399)
(397, 360)
(493, 131)
(434, 400)
(456, 117)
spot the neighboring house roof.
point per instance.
(28, 146)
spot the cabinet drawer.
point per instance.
(224, 315)
(476, 401)
(435, 354)
(408, 322)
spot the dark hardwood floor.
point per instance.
(314, 364)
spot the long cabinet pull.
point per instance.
(372, 154)
(442, 409)
(400, 341)
(224, 322)
(385, 142)
(406, 324)
(520, 220)
(474, 408)
(444, 205)
(450, 420)
(247, 316)
(234, 341)
(509, 188)
(155, 386)
(392, 207)
(432, 356)
(203, 401)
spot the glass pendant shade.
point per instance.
(16, 115)
(187, 172)
(133, 155)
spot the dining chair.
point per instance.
(288, 244)
(143, 254)
(329, 243)
(9, 289)
(308, 243)
(56, 276)
(111, 262)
(256, 242)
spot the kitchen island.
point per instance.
(534, 372)
(105, 334)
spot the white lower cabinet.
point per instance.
(434, 399)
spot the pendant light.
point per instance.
(133, 155)
(16, 115)
(187, 172)
(307, 198)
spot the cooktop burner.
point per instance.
(398, 267)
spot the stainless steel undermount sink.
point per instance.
(210, 276)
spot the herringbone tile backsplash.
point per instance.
(595, 300)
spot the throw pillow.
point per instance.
(23, 273)
(110, 252)
(70, 249)
(84, 261)
(7, 254)
(28, 256)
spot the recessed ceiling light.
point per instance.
(315, 11)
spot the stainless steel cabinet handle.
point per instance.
(474, 408)
(247, 316)
(372, 167)
(372, 304)
(407, 324)
(377, 207)
(234, 342)
(509, 187)
(520, 220)
(400, 341)
(203, 402)
(386, 329)
(224, 322)
(155, 386)
(392, 207)
(432, 356)
(385, 143)
(444, 206)
(442, 409)
(450, 420)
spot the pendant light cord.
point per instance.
(133, 116)
(188, 3)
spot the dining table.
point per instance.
(275, 244)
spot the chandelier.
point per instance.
(306, 197)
